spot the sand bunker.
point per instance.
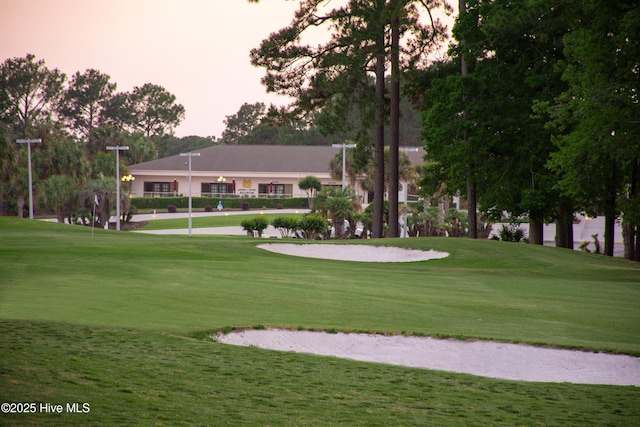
(362, 253)
(483, 358)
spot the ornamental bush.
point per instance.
(286, 225)
(258, 223)
(312, 226)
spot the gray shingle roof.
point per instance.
(255, 158)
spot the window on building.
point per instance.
(214, 188)
(275, 190)
(152, 188)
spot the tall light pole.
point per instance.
(117, 149)
(29, 142)
(344, 160)
(190, 155)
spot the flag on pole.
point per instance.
(93, 220)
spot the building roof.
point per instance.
(256, 158)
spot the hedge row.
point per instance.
(230, 203)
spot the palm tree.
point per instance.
(104, 189)
(338, 205)
(141, 149)
(335, 167)
(20, 183)
(59, 193)
(62, 156)
(8, 166)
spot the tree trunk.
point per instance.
(536, 231)
(610, 214)
(378, 197)
(21, 206)
(630, 229)
(564, 228)
(629, 238)
(609, 230)
(472, 204)
(636, 254)
(394, 144)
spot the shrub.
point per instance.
(511, 233)
(208, 208)
(312, 225)
(258, 223)
(245, 206)
(286, 225)
(172, 209)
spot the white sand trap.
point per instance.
(483, 358)
(362, 253)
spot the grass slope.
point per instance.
(133, 377)
(107, 320)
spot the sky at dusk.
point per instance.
(198, 50)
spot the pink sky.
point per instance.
(198, 50)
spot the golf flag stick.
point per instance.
(93, 220)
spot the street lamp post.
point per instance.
(29, 142)
(190, 155)
(344, 160)
(117, 149)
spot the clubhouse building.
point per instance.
(241, 171)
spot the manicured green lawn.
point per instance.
(110, 320)
(138, 377)
(208, 221)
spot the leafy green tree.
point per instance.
(484, 120)
(335, 78)
(117, 112)
(310, 185)
(170, 145)
(85, 99)
(102, 137)
(243, 122)
(596, 117)
(149, 109)
(155, 111)
(30, 91)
